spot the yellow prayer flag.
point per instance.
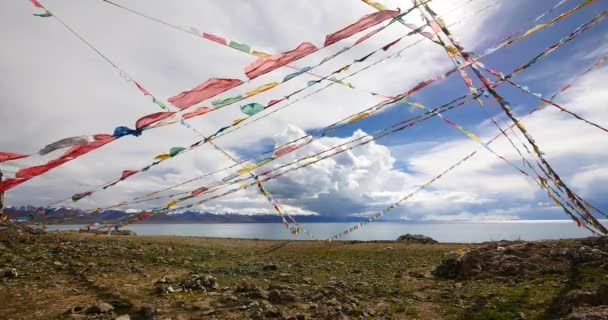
(163, 156)
(261, 89)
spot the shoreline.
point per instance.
(163, 236)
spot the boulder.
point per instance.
(505, 260)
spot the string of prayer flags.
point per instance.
(569, 85)
(548, 101)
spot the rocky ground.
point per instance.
(79, 276)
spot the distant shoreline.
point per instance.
(345, 241)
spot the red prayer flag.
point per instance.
(152, 118)
(128, 173)
(267, 64)
(386, 47)
(285, 150)
(36, 3)
(6, 156)
(77, 151)
(198, 112)
(73, 153)
(215, 38)
(365, 22)
(273, 102)
(10, 183)
(206, 90)
(30, 172)
(199, 191)
(144, 91)
(367, 36)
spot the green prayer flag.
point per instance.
(43, 15)
(227, 101)
(239, 46)
(252, 108)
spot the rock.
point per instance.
(123, 317)
(256, 315)
(76, 310)
(506, 261)
(447, 294)
(416, 238)
(419, 296)
(270, 267)
(122, 232)
(192, 283)
(594, 298)
(318, 297)
(147, 311)
(274, 296)
(280, 296)
(250, 290)
(199, 283)
(9, 273)
(522, 316)
(589, 313)
(279, 287)
(101, 307)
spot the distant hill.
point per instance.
(64, 215)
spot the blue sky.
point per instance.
(56, 87)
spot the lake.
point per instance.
(462, 232)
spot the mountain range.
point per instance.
(66, 215)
